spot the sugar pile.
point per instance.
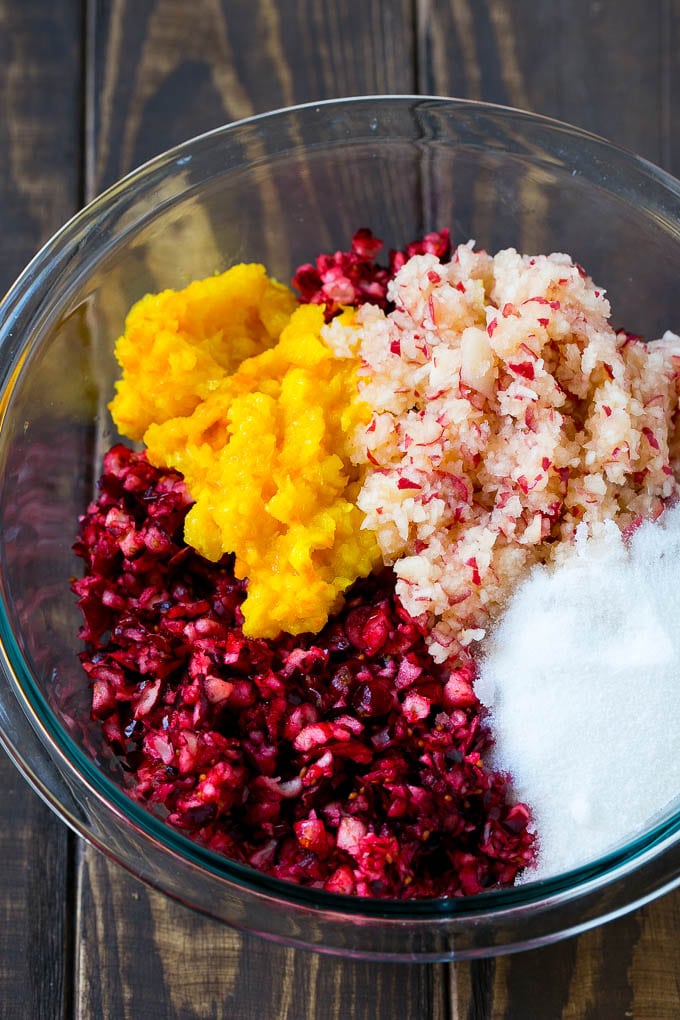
(582, 677)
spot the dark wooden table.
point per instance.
(91, 88)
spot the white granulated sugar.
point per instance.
(582, 677)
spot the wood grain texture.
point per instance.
(40, 83)
(162, 72)
(35, 937)
(141, 955)
(606, 66)
(40, 134)
(629, 968)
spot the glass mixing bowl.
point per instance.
(278, 189)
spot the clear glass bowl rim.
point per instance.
(33, 286)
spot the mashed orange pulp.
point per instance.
(178, 344)
(262, 450)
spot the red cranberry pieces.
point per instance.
(347, 760)
(354, 277)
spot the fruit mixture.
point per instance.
(292, 593)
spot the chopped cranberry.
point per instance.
(353, 277)
(346, 760)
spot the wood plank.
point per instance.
(670, 87)
(34, 897)
(627, 968)
(141, 955)
(39, 190)
(613, 68)
(39, 128)
(601, 65)
(161, 72)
